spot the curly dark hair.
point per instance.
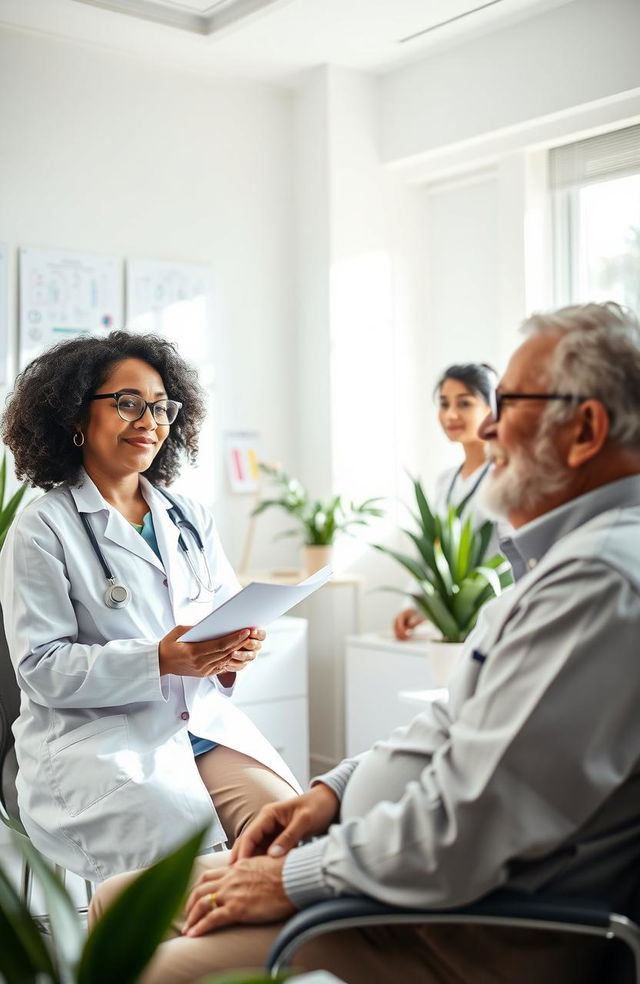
(51, 396)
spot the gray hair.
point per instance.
(598, 356)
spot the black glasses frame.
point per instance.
(497, 399)
(145, 405)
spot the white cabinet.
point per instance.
(377, 669)
(273, 692)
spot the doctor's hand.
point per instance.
(278, 827)
(247, 651)
(213, 656)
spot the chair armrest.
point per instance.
(505, 908)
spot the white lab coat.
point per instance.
(107, 778)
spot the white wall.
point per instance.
(102, 153)
(576, 54)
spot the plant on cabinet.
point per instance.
(453, 576)
(318, 523)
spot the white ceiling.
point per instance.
(270, 39)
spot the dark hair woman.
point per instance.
(463, 392)
(126, 741)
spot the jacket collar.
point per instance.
(531, 542)
(113, 526)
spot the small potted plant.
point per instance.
(318, 523)
(453, 575)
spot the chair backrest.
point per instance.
(9, 710)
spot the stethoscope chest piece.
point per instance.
(116, 595)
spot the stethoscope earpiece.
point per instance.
(116, 595)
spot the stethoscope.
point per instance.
(461, 505)
(118, 595)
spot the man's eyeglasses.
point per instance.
(132, 407)
(497, 399)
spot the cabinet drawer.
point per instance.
(280, 669)
(285, 724)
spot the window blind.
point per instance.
(609, 155)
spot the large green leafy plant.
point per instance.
(119, 946)
(9, 509)
(318, 523)
(454, 577)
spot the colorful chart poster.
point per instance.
(64, 294)
(173, 300)
(241, 451)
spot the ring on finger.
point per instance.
(213, 902)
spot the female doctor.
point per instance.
(126, 739)
(464, 393)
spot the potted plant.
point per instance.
(318, 523)
(453, 576)
(118, 947)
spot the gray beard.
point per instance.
(527, 481)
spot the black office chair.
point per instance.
(506, 909)
(9, 812)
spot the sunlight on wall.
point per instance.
(187, 323)
(363, 372)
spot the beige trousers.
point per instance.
(239, 787)
(379, 955)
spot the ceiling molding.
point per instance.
(217, 16)
(450, 20)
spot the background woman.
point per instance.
(463, 396)
(126, 740)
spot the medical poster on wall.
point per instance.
(173, 300)
(4, 310)
(242, 456)
(64, 294)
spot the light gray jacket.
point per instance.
(530, 777)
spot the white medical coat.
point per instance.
(107, 779)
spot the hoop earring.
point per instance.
(78, 443)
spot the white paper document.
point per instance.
(256, 605)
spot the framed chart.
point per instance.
(63, 294)
(173, 300)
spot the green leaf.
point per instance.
(426, 516)
(483, 535)
(8, 513)
(267, 503)
(437, 612)
(67, 933)
(409, 563)
(444, 571)
(469, 600)
(463, 553)
(23, 954)
(124, 940)
(491, 578)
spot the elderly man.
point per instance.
(530, 777)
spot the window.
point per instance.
(595, 187)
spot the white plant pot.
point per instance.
(313, 558)
(443, 657)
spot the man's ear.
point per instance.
(591, 430)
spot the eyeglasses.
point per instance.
(497, 399)
(132, 407)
